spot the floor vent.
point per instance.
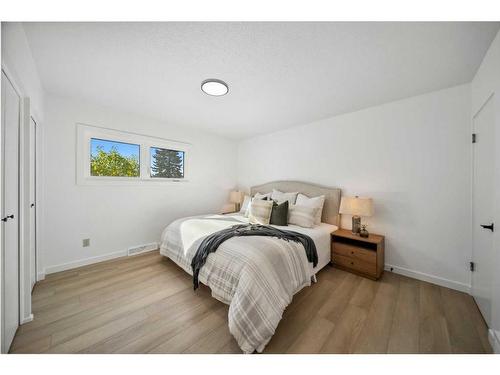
(142, 248)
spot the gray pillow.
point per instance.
(279, 213)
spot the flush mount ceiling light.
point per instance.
(214, 87)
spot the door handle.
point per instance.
(8, 217)
(490, 227)
(32, 205)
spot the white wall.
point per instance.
(412, 156)
(20, 66)
(117, 217)
(485, 83)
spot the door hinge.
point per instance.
(472, 266)
(474, 137)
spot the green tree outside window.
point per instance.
(112, 163)
(167, 163)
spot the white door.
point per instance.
(10, 214)
(482, 210)
(32, 202)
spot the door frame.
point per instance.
(26, 114)
(35, 152)
(473, 127)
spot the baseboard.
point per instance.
(27, 319)
(466, 288)
(84, 262)
(87, 261)
(494, 341)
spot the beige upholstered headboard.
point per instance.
(332, 195)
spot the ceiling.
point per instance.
(279, 74)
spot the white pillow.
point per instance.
(315, 202)
(256, 196)
(262, 196)
(302, 216)
(260, 211)
(244, 205)
(280, 197)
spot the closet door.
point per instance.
(482, 210)
(10, 208)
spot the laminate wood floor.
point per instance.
(145, 304)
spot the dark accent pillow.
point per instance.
(279, 213)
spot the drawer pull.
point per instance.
(352, 263)
(352, 252)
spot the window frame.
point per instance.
(86, 132)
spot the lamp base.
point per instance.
(356, 224)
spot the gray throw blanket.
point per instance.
(213, 241)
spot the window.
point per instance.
(166, 163)
(114, 159)
(106, 156)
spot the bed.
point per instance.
(256, 276)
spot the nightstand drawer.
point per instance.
(354, 252)
(363, 256)
(355, 264)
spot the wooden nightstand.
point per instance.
(362, 256)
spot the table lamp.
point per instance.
(356, 207)
(236, 197)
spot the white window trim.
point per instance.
(85, 132)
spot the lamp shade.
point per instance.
(235, 197)
(356, 206)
